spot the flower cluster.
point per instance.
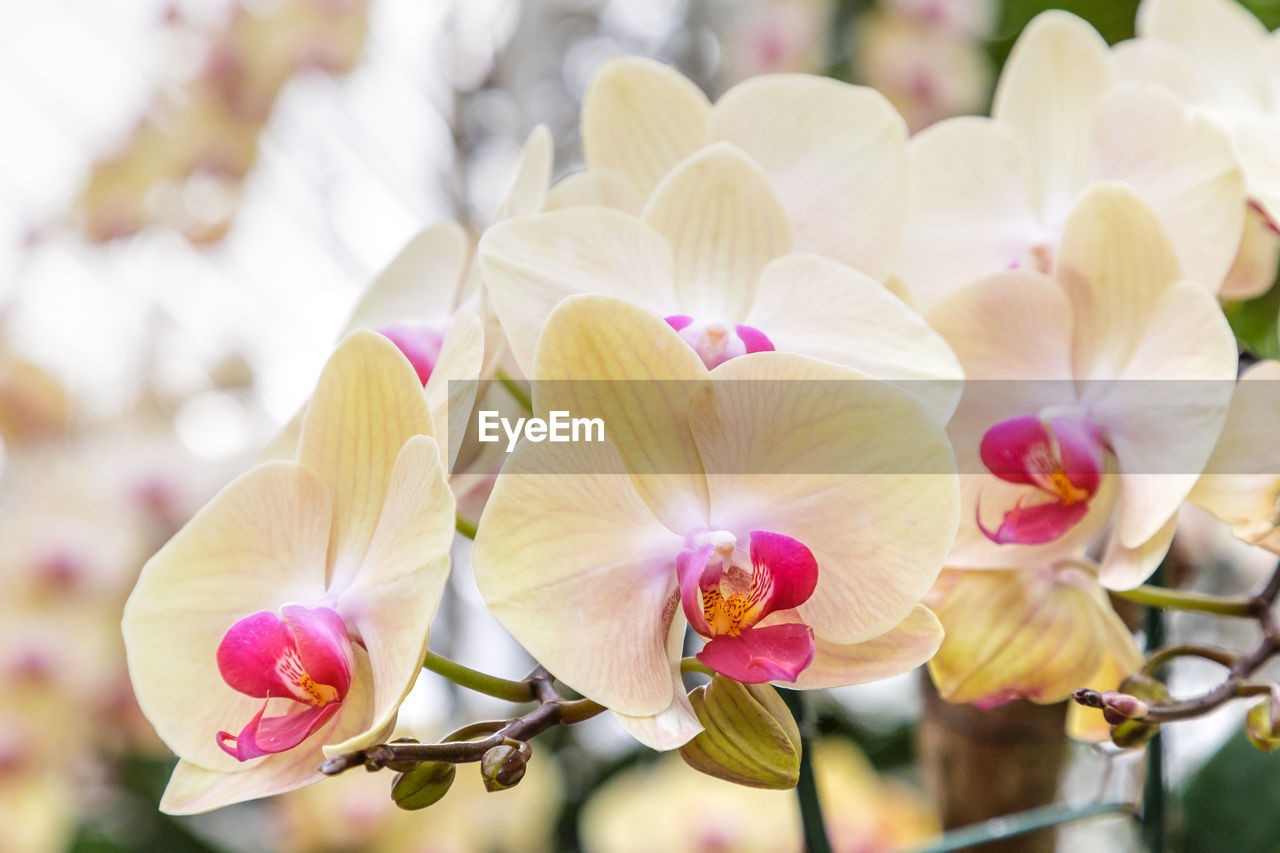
(870, 401)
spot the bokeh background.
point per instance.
(193, 195)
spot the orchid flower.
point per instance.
(1036, 634)
(794, 517)
(292, 611)
(1222, 61)
(1114, 379)
(427, 301)
(989, 195)
(712, 254)
(834, 154)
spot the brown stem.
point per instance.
(553, 709)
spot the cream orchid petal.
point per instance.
(837, 157)
(1048, 94)
(193, 789)
(259, 544)
(969, 214)
(852, 468)
(1163, 419)
(724, 224)
(903, 647)
(1222, 39)
(393, 598)
(573, 563)
(1242, 478)
(640, 118)
(1256, 145)
(814, 306)
(532, 263)
(527, 189)
(1147, 60)
(596, 188)
(1257, 262)
(1114, 261)
(606, 358)
(678, 724)
(1124, 567)
(368, 403)
(1184, 166)
(451, 389)
(421, 282)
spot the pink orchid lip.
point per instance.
(716, 342)
(1061, 458)
(304, 657)
(420, 344)
(728, 610)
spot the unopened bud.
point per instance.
(1134, 731)
(504, 765)
(1120, 707)
(422, 786)
(749, 737)
(1262, 725)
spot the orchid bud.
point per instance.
(1135, 732)
(1120, 707)
(504, 765)
(422, 786)
(1262, 725)
(749, 737)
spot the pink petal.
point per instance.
(275, 734)
(251, 651)
(1011, 450)
(323, 644)
(1036, 525)
(679, 321)
(419, 344)
(785, 569)
(754, 339)
(757, 655)
(691, 569)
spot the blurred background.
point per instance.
(193, 196)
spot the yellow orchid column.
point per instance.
(289, 618)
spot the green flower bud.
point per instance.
(1262, 725)
(749, 735)
(422, 786)
(504, 765)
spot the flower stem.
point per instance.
(490, 685)
(1018, 823)
(1177, 599)
(517, 391)
(464, 525)
(815, 830)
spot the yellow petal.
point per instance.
(837, 157)
(571, 561)
(1048, 94)
(532, 263)
(258, 545)
(368, 403)
(1114, 260)
(724, 224)
(1184, 166)
(1121, 658)
(451, 389)
(394, 596)
(810, 305)
(1021, 633)
(420, 283)
(596, 188)
(853, 468)
(193, 789)
(900, 649)
(640, 118)
(969, 214)
(601, 357)
(527, 188)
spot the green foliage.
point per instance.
(1230, 803)
(1254, 322)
